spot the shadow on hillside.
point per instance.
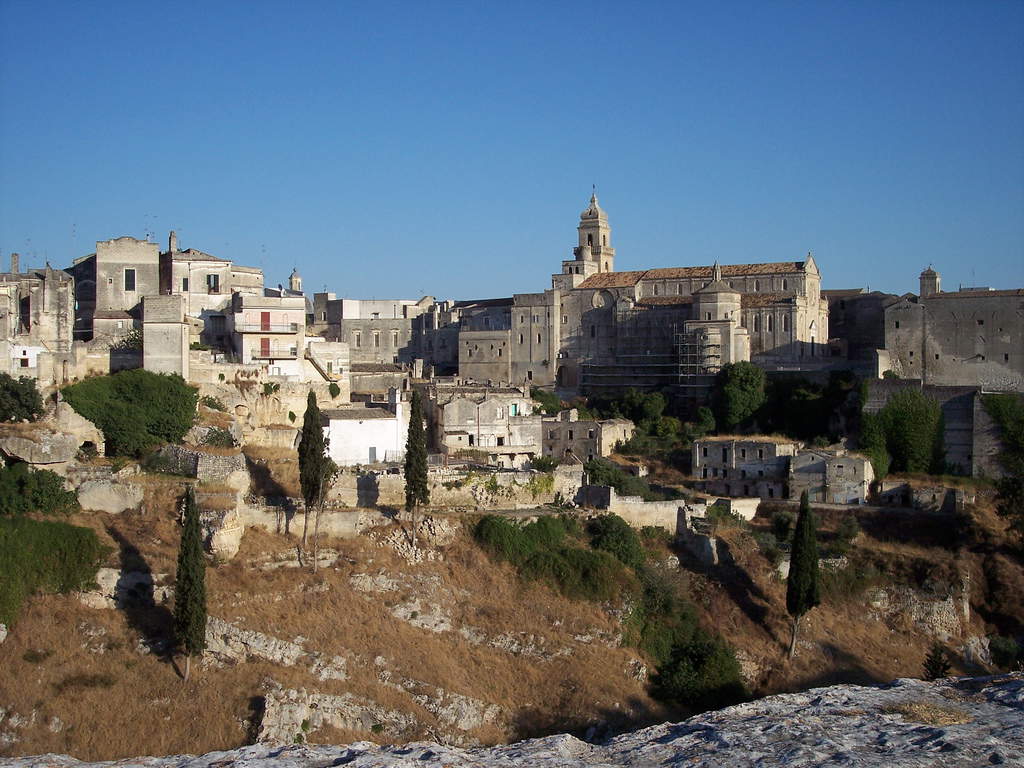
(263, 484)
(842, 668)
(155, 623)
(594, 727)
(742, 589)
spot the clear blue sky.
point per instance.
(396, 149)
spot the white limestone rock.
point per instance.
(109, 496)
(953, 722)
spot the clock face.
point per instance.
(602, 299)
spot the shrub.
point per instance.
(136, 409)
(545, 532)
(769, 546)
(212, 402)
(702, 674)
(504, 539)
(219, 438)
(269, 388)
(1006, 652)
(220, 377)
(614, 535)
(544, 463)
(44, 555)
(24, 490)
(334, 389)
(936, 663)
(782, 523)
(845, 534)
(291, 416)
(548, 401)
(19, 399)
(198, 345)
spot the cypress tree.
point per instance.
(802, 592)
(190, 587)
(312, 466)
(416, 490)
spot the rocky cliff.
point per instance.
(954, 722)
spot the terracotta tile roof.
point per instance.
(627, 279)
(763, 299)
(663, 301)
(613, 280)
(976, 294)
(728, 270)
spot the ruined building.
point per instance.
(37, 315)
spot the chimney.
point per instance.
(14, 263)
(172, 242)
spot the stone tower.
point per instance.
(595, 238)
(930, 282)
(295, 281)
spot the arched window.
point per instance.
(590, 240)
(757, 323)
(604, 239)
(785, 323)
(769, 323)
(784, 284)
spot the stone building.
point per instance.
(586, 439)
(856, 320)
(744, 466)
(109, 286)
(376, 330)
(165, 335)
(833, 477)
(650, 328)
(37, 317)
(970, 337)
(367, 433)
(270, 330)
(496, 421)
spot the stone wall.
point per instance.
(208, 467)
(461, 488)
(633, 509)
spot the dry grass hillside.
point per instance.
(456, 627)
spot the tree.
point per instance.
(936, 663)
(19, 399)
(739, 392)
(416, 489)
(190, 587)
(316, 470)
(802, 592)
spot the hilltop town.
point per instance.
(614, 465)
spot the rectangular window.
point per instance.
(394, 338)
(501, 441)
(213, 283)
(513, 410)
(129, 279)
(551, 434)
(500, 413)
(184, 284)
(376, 338)
(705, 453)
(981, 322)
(760, 454)
(565, 319)
(357, 339)
(593, 331)
(743, 453)
(570, 434)
(538, 338)
(590, 434)
(897, 323)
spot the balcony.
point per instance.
(275, 353)
(267, 327)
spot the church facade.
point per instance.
(597, 327)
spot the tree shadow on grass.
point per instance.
(135, 597)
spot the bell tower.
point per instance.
(595, 238)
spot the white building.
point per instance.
(367, 434)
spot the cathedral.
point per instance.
(667, 327)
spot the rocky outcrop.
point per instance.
(289, 715)
(109, 496)
(955, 722)
(227, 643)
(41, 446)
(121, 589)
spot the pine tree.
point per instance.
(936, 663)
(190, 587)
(312, 449)
(416, 490)
(802, 592)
